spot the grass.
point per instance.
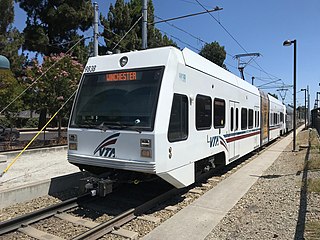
(312, 230)
(314, 160)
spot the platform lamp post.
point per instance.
(288, 43)
(305, 106)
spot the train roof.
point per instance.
(196, 61)
(152, 57)
(160, 57)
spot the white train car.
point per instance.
(168, 113)
(277, 118)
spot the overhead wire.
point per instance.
(38, 133)
(200, 40)
(128, 32)
(37, 79)
(238, 43)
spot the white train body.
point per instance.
(162, 111)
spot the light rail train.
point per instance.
(168, 113)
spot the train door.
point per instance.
(264, 116)
(234, 128)
(256, 126)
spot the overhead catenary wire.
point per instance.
(203, 41)
(31, 141)
(127, 32)
(238, 43)
(188, 15)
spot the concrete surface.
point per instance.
(198, 219)
(34, 167)
(33, 190)
(3, 163)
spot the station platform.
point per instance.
(36, 172)
(197, 220)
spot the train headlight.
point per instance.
(73, 146)
(73, 138)
(146, 153)
(145, 143)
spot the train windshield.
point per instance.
(118, 100)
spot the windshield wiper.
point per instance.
(103, 126)
(118, 125)
(130, 127)
(88, 124)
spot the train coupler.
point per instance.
(97, 186)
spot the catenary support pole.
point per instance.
(95, 29)
(144, 25)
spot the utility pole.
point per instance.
(305, 106)
(308, 105)
(95, 30)
(144, 24)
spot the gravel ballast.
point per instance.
(274, 206)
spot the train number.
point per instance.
(89, 69)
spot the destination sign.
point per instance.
(122, 76)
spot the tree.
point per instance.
(121, 17)
(11, 39)
(56, 85)
(215, 53)
(9, 90)
(52, 26)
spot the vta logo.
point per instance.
(214, 141)
(104, 149)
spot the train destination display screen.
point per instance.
(123, 76)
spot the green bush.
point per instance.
(32, 123)
(4, 122)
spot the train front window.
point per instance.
(118, 100)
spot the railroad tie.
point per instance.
(76, 220)
(35, 233)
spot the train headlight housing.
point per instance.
(73, 138)
(145, 150)
(145, 143)
(73, 146)
(73, 142)
(146, 153)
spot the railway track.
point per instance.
(29, 224)
(120, 212)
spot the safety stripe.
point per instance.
(238, 137)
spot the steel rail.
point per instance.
(29, 218)
(123, 218)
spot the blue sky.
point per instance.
(259, 26)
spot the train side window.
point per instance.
(258, 124)
(237, 119)
(231, 119)
(281, 117)
(203, 112)
(250, 122)
(256, 118)
(219, 113)
(244, 118)
(178, 125)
